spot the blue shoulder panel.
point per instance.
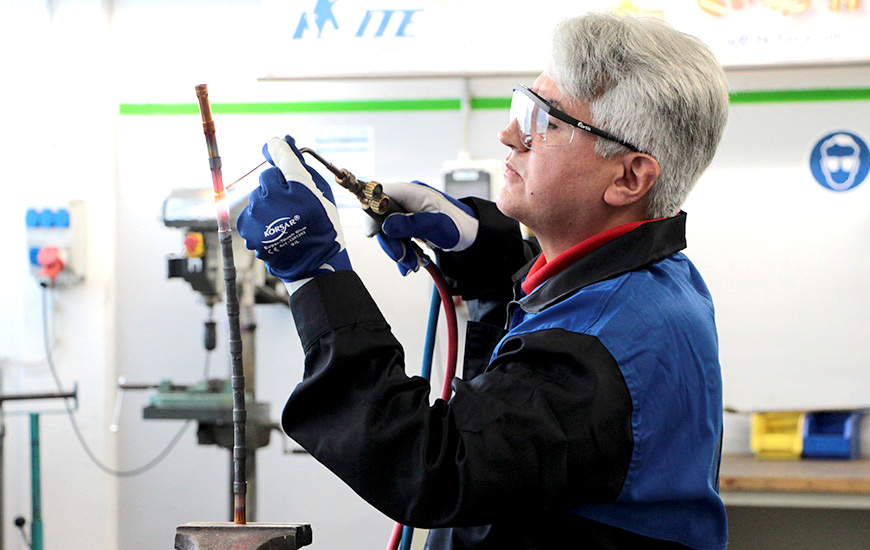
(658, 324)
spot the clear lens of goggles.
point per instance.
(537, 128)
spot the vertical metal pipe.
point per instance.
(249, 333)
(232, 299)
(35, 485)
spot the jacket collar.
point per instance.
(642, 245)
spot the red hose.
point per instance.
(395, 537)
(452, 332)
(450, 370)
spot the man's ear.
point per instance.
(639, 172)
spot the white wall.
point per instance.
(57, 142)
(786, 260)
(784, 257)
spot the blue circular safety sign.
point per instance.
(840, 161)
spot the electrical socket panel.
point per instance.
(56, 243)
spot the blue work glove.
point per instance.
(440, 220)
(291, 220)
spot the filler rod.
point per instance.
(232, 298)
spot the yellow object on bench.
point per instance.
(777, 434)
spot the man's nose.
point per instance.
(510, 135)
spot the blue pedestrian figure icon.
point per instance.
(322, 15)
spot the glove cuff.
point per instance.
(293, 286)
(339, 262)
(487, 266)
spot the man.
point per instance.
(593, 420)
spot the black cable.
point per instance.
(20, 522)
(111, 471)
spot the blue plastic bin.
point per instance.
(832, 434)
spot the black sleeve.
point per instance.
(545, 428)
(486, 268)
(483, 273)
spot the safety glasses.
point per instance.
(538, 129)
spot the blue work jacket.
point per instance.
(588, 413)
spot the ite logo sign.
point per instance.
(374, 23)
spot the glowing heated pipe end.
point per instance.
(214, 159)
(223, 212)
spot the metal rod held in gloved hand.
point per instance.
(232, 297)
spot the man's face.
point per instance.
(555, 189)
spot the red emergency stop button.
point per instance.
(49, 259)
(194, 245)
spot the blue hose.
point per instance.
(407, 537)
(431, 329)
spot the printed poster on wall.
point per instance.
(327, 38)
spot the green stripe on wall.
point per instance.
(786, 96)
(490, 103)
(393, 105)
(158, 109)
(294, 107)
